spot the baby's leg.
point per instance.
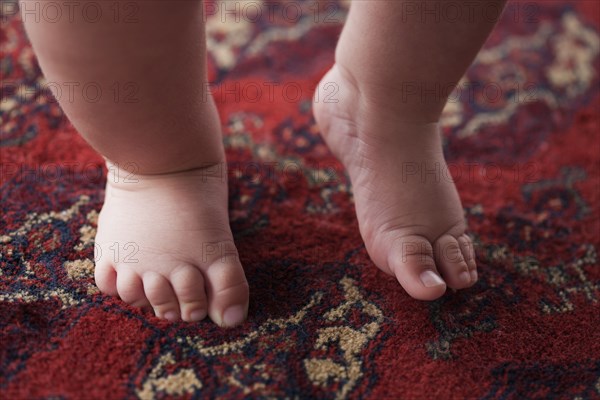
(390, 58)
(164, 239)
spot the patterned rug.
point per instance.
(323, 321)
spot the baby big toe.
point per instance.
(411, 260)
(228, 293)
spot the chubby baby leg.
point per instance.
(158, 128)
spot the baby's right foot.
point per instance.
(164, 241)
(408, 210)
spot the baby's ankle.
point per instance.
(406, 100)
(358, 107)
(129, 176)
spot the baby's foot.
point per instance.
(164, 241)
(409, 212)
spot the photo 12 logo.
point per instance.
(426, 11)
(71, 91)
(269, 11)
(72, 11)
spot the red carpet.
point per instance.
(324, 322)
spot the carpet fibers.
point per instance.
(521, 135)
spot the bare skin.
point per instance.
(412, 224)
(173, 215)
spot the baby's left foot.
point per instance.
(164, 241)
(409, 212)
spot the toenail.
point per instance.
(465, 277)
(473, 275)
(431, 279)
(233, 316)
(170, 315)
(197, 315)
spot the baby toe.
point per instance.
(411, 260)
(468, 251)
(161, 296)
(106, 279)
(228, 292)
(188, 283)
(451, 262)
(130, 288)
